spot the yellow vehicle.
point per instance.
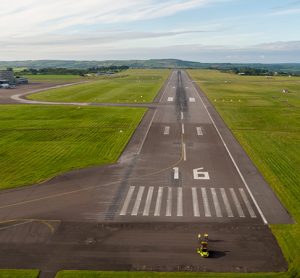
(203, 250)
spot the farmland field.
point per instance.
(46, 78)
(267, 124)
(39, 142)
(127, 87)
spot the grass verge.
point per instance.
(16, 273)
(267, 124)
(128, 87)
(39, 142)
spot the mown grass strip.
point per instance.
(39, 142)
(132, 86)
(266, 122)
(16, 273)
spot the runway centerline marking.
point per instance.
(195, 202)
(176, 173)
(170, 99)
(199, 131)
(237, 203)
(182, 128)
(231, 157)
(138, 200)
(216, 202)
(207, 212)
(127, 200)
(184, 151)
(181, 115)
(148, 201)
(158, 201)
(179, 202)
(192, 99)
(226, 203)
(169, 202)
(167, 130)
(247, 203)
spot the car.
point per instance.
(203, 250)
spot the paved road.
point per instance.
(182, 173)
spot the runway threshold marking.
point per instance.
(138, 200)
(207, 212)
(167, 130)
(216, 202)
(148, 201)
(247, 203)
(195, 202)
(226, 202)
(232, 159)
(179, 202)
(199, 131)
(127, 200)
(158, 201)
(237, 203)
(169, 202)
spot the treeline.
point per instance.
(81, 72)
(256, 71)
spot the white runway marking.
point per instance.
(167, 130)
(247, 203)
(179, 202)
(182, 128)
(226, 203)
(127, 200)
(148, 201)
(237, 203)
(169, 202)
(158, 201)
(170, 99)
(138, 200)
(192, 99)
(184, 151)
(233, 161)
(195, 202)
(216, 202)
(199, 131)
(176, 173)
(181, 115)
(207, 212)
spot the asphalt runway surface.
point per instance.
(182, 173)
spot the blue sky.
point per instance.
(198, 30)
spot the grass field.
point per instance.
(120, 274)
(12, 273)
(267, 124)
(45, 78)
(39, 142)
(128, 87)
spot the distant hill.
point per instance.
(152, 63)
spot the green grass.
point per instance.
(16, 273)
(267, 124)
(39, 142)
(125, 274)
(128, 87)
(45, 78)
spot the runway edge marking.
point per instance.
(232, 159)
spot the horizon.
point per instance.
(206, 31)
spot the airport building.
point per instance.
(8, 75)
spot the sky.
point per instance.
(237, 31)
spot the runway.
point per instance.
(182, 173)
